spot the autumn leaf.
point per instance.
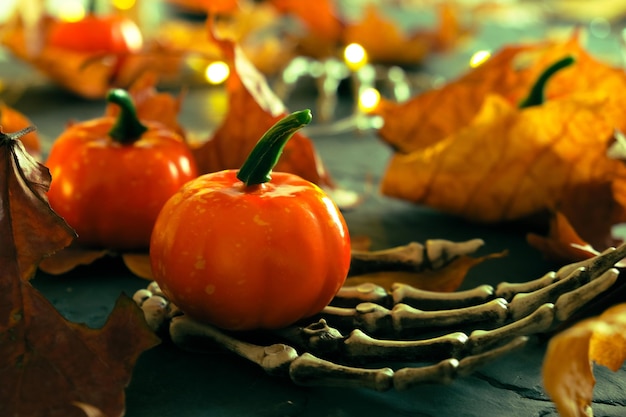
(323, 27)
(252, 109)
(510, 162)
(71, 257)
(386, 43)
(568, 363)
(562, 244)
(48, 365)
(431, 116)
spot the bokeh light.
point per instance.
(123, 4)
(369, 99)
(479, 57)
(69, 10)
(355, 56)
(217, 72)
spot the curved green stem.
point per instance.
(257, 169)
(127, 127)
(536, 95)
(91, 7)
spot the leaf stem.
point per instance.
(4, 137)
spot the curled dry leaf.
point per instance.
(491, 160)
(252, 109)
(430, 117)
(325, 31)
(568, 364)
(322, 26)
(256, 26)
(70, 258)
(386, 43)
(562, 243)
(79, 365)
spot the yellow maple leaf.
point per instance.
(568, 365)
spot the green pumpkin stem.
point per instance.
(536, 96)
(127, 127)
(257, 168)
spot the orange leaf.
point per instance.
(253, 108)
(567, 367)
(562, 244)
(386, 43)
(70, 258)
(47, 364)
(508, 163)
(323, 27)
(429, 117)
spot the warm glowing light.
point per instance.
(217, 72)
(132, 36)
(355, 56)
(72, 11)
(369, 99)
(123, 4)
(479, 57)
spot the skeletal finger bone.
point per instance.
(434, 300)
(308, 369)
(155, 310)
(350, 296)
(192, 335)
(434, 254)
(568, 303)
(441, 252)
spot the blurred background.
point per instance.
(333, 52)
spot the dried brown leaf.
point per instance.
(70, 258)
(562, 244)
(253, 108)
(48, 364)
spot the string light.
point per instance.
(369, 99)
(123, 4)
(71, 11)
(216, 72)
(355, 56)
(479, 57)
